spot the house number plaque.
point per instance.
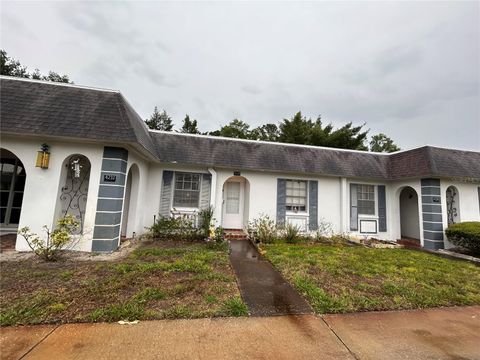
(109, 178)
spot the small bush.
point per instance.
(206, 217)
(263, 230)
(465, 234)
(56, 239)
(292, 234)
(175, 228)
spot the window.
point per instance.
(187, 190)
(12, 183)
(296, 195)
(366, 199)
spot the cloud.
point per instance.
(410, 70)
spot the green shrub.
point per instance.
(263, 230)
(465, 234)
(292, 234)
(55, 240)
(206, 216)
(175, 228)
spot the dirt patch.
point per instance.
(147, 280)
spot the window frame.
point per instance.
(374, 200)
(182, 173)
(292, 206)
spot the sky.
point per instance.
(406, 69)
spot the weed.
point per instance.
(235, 307)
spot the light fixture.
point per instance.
(43, 157)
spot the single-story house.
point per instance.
(68, 149)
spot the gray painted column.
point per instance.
(106, 233)
(432, 214)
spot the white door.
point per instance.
(233, 204)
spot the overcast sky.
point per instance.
(409, 69)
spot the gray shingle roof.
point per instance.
(40, 108)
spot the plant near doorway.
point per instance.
(55, 241)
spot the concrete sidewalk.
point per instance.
(450, 333)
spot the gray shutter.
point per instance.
(166, 196)
(353, 207)
(281, 201)
(205, 191)
(313, 205)
(382, 208)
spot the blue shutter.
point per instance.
(166, 196)
(281, 201)
(353, 207)
(382, 209)
(313, 205)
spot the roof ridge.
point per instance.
(267, 142)
(55, 83)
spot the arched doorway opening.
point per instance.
(453, 205)
(409, 215)
(235, 206)
(74, 182)
(130, 202)
(12, 185)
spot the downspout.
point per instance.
(344, 213)
(213, 189)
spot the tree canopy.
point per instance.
(189, 126)
(382, 143)
(160, 121)
(12, 67)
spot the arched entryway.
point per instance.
(409, 215)
(12, 184)
(453, 205)
(73, 192)
(130, 202)
(235, 202)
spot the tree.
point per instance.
(189, 126)
(382, 143)
(160, 121)
(12, 67)
(267, 132)
(300, 130)
(297, 130)
(235, 129)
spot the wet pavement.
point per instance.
(262, 287)
(440, 334)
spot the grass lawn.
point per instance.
(338, 279)
(158, 280)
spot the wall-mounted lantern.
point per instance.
(43, 157)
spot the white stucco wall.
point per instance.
(42, 185)
(140, 193)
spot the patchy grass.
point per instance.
(338, 279)
(158, 280)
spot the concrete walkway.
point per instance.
(263, 289)
(450, 333)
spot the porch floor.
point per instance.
(7, 242)
(409, 242)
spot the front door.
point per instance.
(233, 204)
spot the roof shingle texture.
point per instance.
(38, 108)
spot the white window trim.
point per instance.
(307, 200)
(375, 199)
(172, 196)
